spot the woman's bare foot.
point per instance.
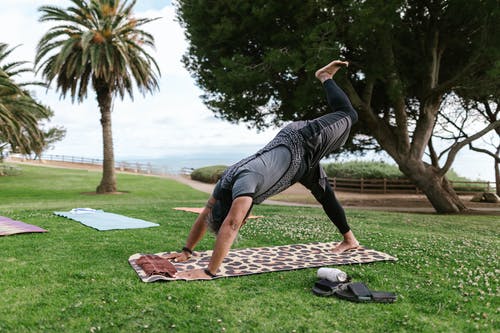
(344, 246)
(350, 242)
(329, 70)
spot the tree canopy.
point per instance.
(20, 113)
(256, 60)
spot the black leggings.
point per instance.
(339, 104)
(332, 207)
(334, 210)
(320, 127)
(338, 100)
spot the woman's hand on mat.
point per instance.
(178, 257)
(194, 274)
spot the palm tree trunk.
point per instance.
(104, 98)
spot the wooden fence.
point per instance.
(362, 185)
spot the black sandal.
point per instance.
(325, 287)
(359, 292)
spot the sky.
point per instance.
(172, 121)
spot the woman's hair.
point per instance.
(212, 225)
(219, 211)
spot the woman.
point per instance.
(292, 156)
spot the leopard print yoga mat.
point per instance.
(270, 259)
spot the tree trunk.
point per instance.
(437, 188)
(408, 153)
(497, 176)
(104, 98)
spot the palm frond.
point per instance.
(102, 40)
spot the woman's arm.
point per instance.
(199, 227)
(197, 232)
(229, 230)
(225, 238)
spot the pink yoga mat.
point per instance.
(11, 227)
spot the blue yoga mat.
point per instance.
(101, 220)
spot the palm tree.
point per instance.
(19, 112)
(97, 41)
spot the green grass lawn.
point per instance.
(77, 279)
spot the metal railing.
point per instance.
(134, 167)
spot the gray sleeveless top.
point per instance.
(288, 137)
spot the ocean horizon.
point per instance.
(178, 162)
(469, 164)
(475, 167)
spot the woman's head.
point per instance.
(219, 211)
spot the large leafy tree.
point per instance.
(255, 61)
(19, 112)
(98, 43)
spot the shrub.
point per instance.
(381, 170)
(362, 169)
(453, 176)
(209, 174)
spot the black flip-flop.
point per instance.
(325, 287)
(359, 292)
